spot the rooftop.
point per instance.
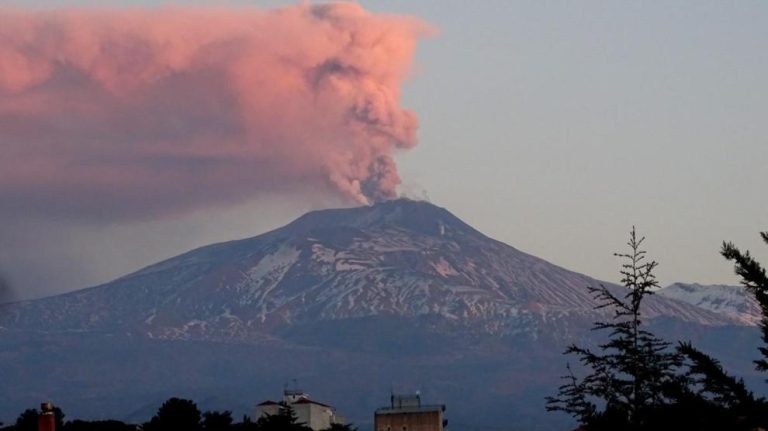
(308, 401)
(411, 409)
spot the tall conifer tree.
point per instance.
(628, 374)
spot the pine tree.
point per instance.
(175, 414)
(707, 398)
(27, 420)
(710, 381)
(630, 373)
(217, 421)
(284, 420)
(754, 278)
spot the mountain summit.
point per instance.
(415, 216)
(396, 258)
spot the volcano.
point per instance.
(352, 301)
(397, 258)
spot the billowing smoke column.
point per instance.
(125, 113)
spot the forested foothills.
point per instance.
(177, 414)
(635, 380)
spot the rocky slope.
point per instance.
(398, 258)
(351, 302)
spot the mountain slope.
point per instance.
(397, 258)
(351, 302)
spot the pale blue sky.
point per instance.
(552, 126)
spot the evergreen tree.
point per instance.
(217, 421)
(754, 278)
(175, 414)
(246, 425)
(631, 374)
(27, 420)
(707, 398)
(102, 425)
(710, 381)
(284, 420)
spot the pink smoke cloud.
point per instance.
(109, 112)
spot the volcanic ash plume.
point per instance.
(126, 112)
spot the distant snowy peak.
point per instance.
(732, 301)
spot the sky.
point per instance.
(552, 126)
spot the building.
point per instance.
(315, 415)
(407, 413)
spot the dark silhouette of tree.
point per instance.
(754, 278)
(725, 400)
(27, 420)
(712, 382)
(217, 421)
(631, 373)
(709, 398)
(636, 383)
(340, 427)
(175, 414)
(105, 425)
(59, 414)
(246, 425)
(284, 420)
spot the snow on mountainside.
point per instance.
(396, 258)
(732, 301)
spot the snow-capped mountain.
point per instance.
(731, 301)
(397, 258)
(349, 301)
